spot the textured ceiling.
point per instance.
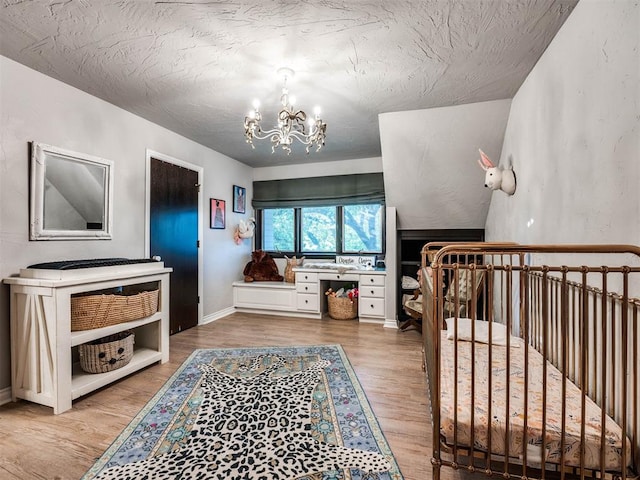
(195, 66)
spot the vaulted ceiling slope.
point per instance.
(195, 66)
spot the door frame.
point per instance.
(147, 214)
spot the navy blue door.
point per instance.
(174, 236)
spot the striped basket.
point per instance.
(342, 308)
(107, 353)
(97, 311)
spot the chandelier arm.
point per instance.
(301, 137)
(306, 139)
(264, 134)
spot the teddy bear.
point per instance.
(261, 268)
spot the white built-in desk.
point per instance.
(42, 343)
(306, 298)
(312, 283)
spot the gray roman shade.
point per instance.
(318, 191)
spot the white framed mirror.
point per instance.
(71, 195)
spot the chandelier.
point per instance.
(291, 124)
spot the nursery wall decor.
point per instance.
(71, 195)
(239, 199)
(217, 213)
(244, 230)
(497, 177)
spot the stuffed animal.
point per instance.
(289, 274)
(497, 178)
(261, 268)
(244, 230)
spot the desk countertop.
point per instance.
(341, 270)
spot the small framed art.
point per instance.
(239, 199)
(217, 213)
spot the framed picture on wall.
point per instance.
(239, 199)
(217, 213)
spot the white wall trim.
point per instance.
(390, 323)
(386, 323)
(5, 395)
(212, 317)
(147, 215)
(371, 320)
(279, 313)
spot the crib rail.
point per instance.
(574, 309)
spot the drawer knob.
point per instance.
(338, 276)
(371, 305)
(306, 301)
(371, 280)
(371, 292)
(306, 288)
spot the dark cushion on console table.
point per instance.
(89, 263)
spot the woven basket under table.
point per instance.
(342, 308)
(97, 311)
(107, 353)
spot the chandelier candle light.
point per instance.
(291, 123)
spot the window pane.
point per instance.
(278, 230)
(362, 228)
(318, 229)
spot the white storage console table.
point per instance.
(306, 297)
(42, 343)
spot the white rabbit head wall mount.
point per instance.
(497, 178)
(244, 230)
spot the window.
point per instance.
(323, 230)
(362, 228)
(318, 227)
(278, 234)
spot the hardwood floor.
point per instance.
(35, 444)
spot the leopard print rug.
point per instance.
(254, 427)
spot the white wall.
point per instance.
(34, 107)
(574, 135)
(431, 175)
(323, 169)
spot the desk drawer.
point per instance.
(367, 291)
(306, 277)
(366, 280)
(342, 277)
(371, 307)
(307, 287)
(308, 302)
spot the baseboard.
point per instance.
(390, 323)
(279, 313)
(5, 395)
(373, 321)
(212, 317)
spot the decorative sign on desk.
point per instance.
(366, 261)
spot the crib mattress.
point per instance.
(465, 410)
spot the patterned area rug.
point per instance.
(279, 413)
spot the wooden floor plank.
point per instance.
(35, 444)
